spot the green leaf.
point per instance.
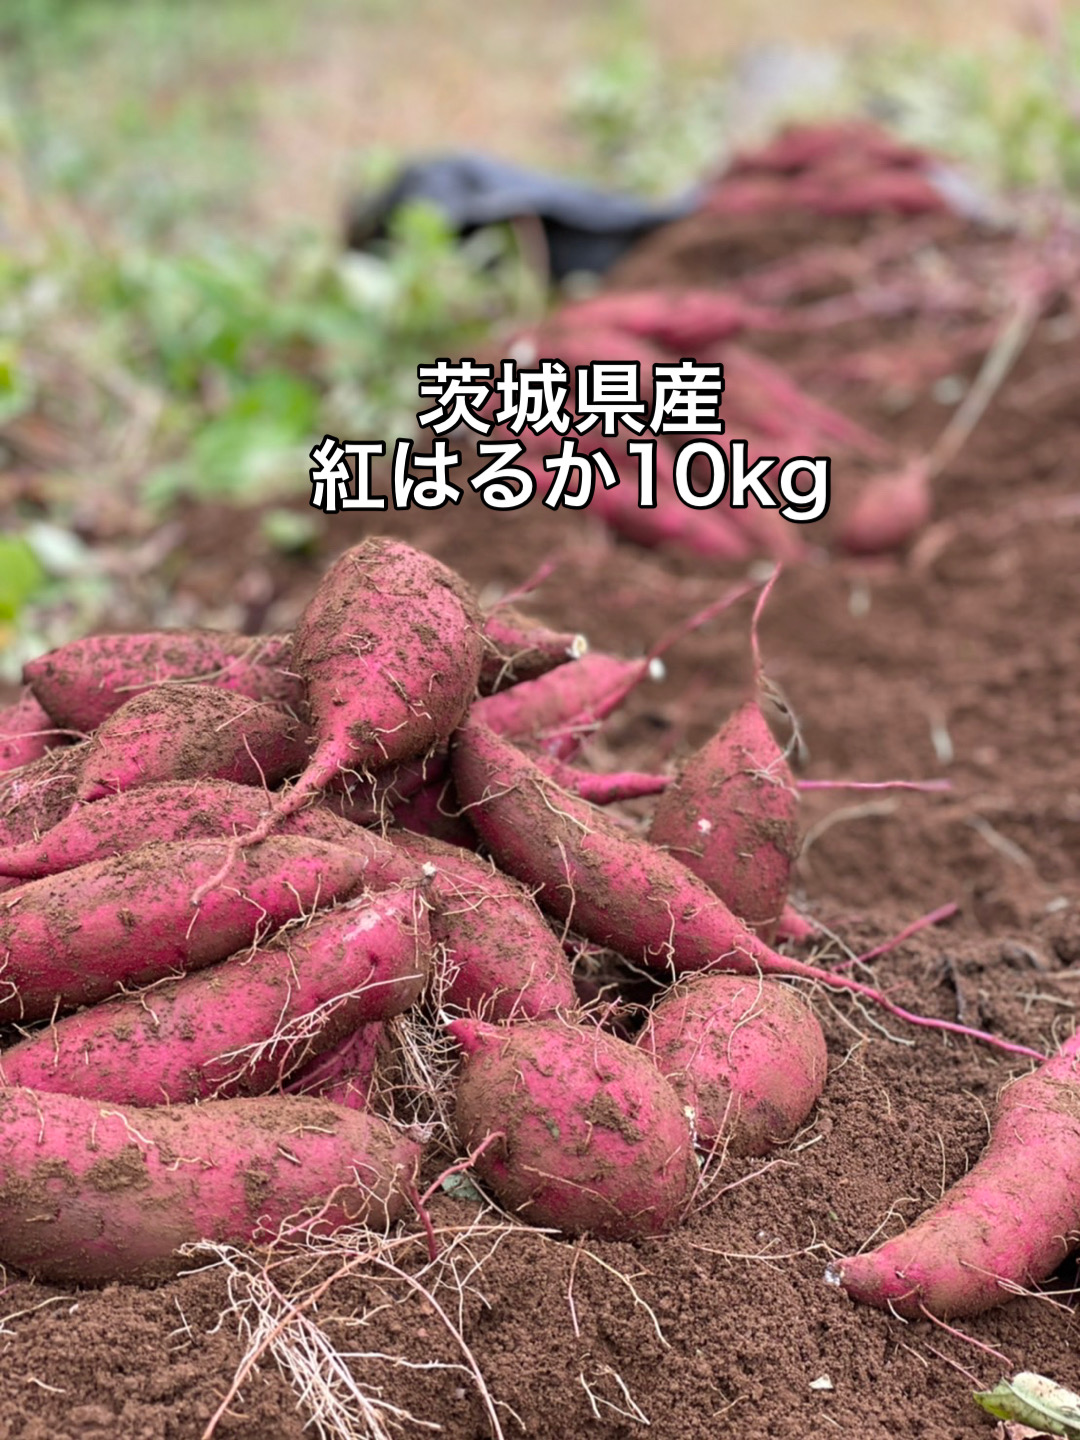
(461, 1187)
(20, 576)
(1030, 1399)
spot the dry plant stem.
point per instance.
(935, 917)
(755, 619)
(999, 360)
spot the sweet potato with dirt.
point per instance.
(730, 817)
(603, 788)
(1008, 1223)
(175, 810)
(389, 650)
(435, 814)
(74, 938)
(372, 799)
(26, 732)
(679, 319)
(612, 887)
(91, 1194)
(496, 955)
(556, 711)
(747, 1055)
(594, 1139)
(619, 891)
(191, 732)
(346, 1073)
(239, 1027)
(82, 683)
(36, 796)
(518, 648)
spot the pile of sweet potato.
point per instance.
(261, 852)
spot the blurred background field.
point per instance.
(179, 320)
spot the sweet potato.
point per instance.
(600, 788)
(680, 320)
(1009, 1222)
(434, 813)
(345, 1074)
(83, 682)
(518, 648)
(556, 711)
(613, 888)
(240, 1027)
(713, 534)
(747, 1055)
(890, 511)
(73, 938)
(497, 957)
(89, 1193)
(593, 1137)
(620, 891)
(804, 147)
(175, 810)
(730, 817)
(389, 649)
(34, 797)
(26, 732)
(371, 799)
(710, 533)
(191, 732)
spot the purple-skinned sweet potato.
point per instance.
(34, 797)
(346, 1072)
(730, 817)
(389, 649)
(747, 1055)
(1008, 1223)
(174, 810)
(26, 732)
(497, 957)
(594, 1139)
(91, 1194)
(82, 683)
(241, 1026)
(619, 891)
(518, 648)
(191, 732)
(556, 711)
(612, 887)
(74, 938)
(371, 800)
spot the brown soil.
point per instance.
(892, 668)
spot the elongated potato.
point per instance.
(191, 732)
(240, 1027)
(82, 683)
(90, 1193)
(74, 938)
(174, 810)
(1009, 1222)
